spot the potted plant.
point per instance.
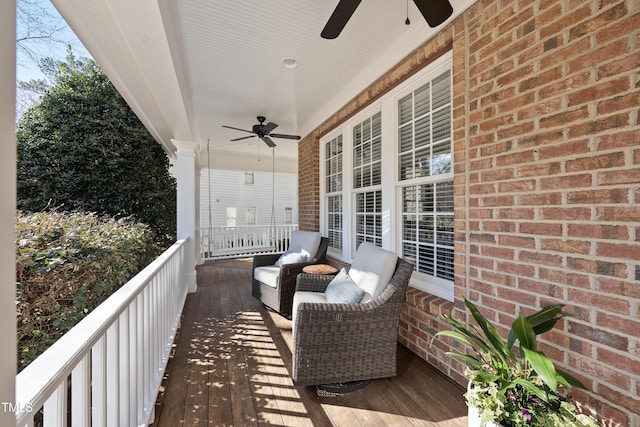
(512, 387)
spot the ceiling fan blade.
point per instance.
(269, 127)
(231, 127)
(283, 136)
(435, 12)
(241, 138)
(339, 18)
(268, 141)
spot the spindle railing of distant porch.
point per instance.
(231, 242)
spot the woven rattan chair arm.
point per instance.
(313, 282)
(265, 259)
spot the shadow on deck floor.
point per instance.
(231, 367)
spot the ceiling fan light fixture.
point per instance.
(290, 63)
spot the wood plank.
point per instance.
(232, 366)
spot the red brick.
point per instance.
(598, 92)
(614, 213)
(594, 23)
(619, 250)
(517, 241)
(597, 126)
(619, 66)
(564, 117)
(568, 246)
(562, 182)
(593, 197)
(603, 268)
(620, 288)
(622, 102)
(541, 258)
(565, 214)
(598, 231)
(598, 56)
(564, 149)
(560, 87)
(601, 336)
(546, 229)
(628, 176)
(622, 27)
(621, 139)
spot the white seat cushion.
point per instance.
(306, 242)
(267, 274)
(304, 296)
(371, 269)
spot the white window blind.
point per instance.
(333, 191)
(425, 177)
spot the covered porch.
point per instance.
(540, 170)
(232, 360)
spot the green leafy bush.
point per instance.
(66, 265)
(83, 149)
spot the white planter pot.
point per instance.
(473, 419)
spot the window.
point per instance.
(387, 178)
(425, 182)
(251, 215)
(369, 218)
(333, 191)
(288, 215)
(231, 217)
(249, 178)
(367, 174)
(367, 146)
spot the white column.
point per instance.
(187, 174)
(8, 349)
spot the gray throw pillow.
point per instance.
(343, 290)
(290, 258)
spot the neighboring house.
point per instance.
(238, 198)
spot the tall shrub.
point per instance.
(83, 148)
(67, 264)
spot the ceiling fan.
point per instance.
(435, 12)
(263, 132)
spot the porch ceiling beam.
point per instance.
(151, 86)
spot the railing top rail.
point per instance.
(39, 379)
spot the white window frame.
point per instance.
(288, 215)
(249, 178)
(251, 217)
(391, 186)
(231, 216)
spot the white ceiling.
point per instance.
(187, 67)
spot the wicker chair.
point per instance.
(277, 292)
(341, 342)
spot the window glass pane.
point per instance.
(427, 227)
(368, 218)
(441, 90)
(422, 101)
(405, 109)
(333, 168)
(334, 221)
(367, 152)
(425, 130)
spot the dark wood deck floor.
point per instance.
(232, 361)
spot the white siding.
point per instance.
(226, 188)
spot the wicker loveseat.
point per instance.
(345, 342)
(274, 285)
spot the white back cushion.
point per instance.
(371, 269)
(306, 242)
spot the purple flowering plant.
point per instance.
(511, 382)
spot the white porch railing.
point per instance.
(107, 370)
(229, 242)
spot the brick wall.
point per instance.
(547, 180)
